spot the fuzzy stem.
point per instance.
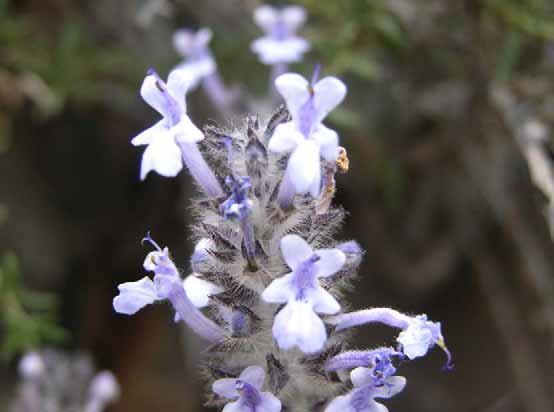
(218, 93)
(286, 193)
(200, 170)
(387, 316)
(195, 319)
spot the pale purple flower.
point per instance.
(104, 387)
(305, 137)
(185, 296)
(418, 334)
(379, 361)
(31, 365)
(297, 323)
(193, 47)
(247, 388)
(163, 154)
(280, 44)
(362, 397)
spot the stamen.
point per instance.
(441, 344)
(149, 239)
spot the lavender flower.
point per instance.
(173, 139)
(297, 323)
(280, 44)
(103, 390)
(31, 366)
(163, 154)
(305, 136)
(185, 296)
(193, 47)
(379, 360)
(418, 334)
(247, 388)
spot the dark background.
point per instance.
(439, 193)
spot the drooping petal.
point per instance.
(151, 93)
(341, 404)
(150, 134)
(328, 93)
(226, 387)
(178, 83)
(376, 407)
(237, 406)
(392, 386)
(286, 138)
(268, 403)
(324, 302)
(297, 324)
(133, 296)
(186, 131)
(163, 156)
(294, 89)
(293, 17)
(279, 290)
(305, 169)
(328, 141)
(330, 262)
(266, 17)
(361, 376)
(415, 340)
(199, 290)
(254, 375)
(295, 250)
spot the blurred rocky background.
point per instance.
(447, 124)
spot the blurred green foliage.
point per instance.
(27, 317)
(59, 63)
(349, 35)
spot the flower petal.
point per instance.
(266, 17)
(184, 41)
(304, 167)
(133, 296)
(199, 290)
(415, 340)
(150, 134)
(294, 89)
(361, 376)
(341, 404)
(293, 17)
(328, 141)
(376, 407)
(286, 138)
(254, 375)
(268, 403)
(226, 387)
(297, 324)
(162, 156)
(152, 95)
(203, 37)
(328, 93)
(392, 386)
(324, 302)
(279, 290)
(330, 262)
(237, 406)
(295, 250)
(186, 131)
(178, 84)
